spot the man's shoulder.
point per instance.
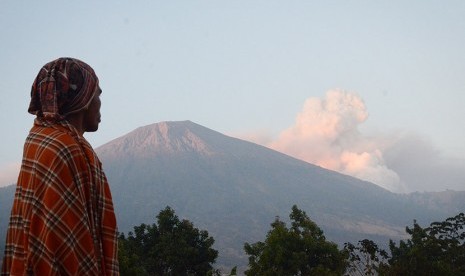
(51, 145)
(48, 136)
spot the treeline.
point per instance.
(175, 247)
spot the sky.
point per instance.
(373, 89)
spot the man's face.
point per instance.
(92, 116)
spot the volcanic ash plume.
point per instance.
(326, 133)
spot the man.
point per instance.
(62, 221)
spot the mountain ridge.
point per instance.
(221, 182)
(234, 189)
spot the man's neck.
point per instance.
(77, 120)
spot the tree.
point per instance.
(436, 250)
(301, 249)
(172, 247)
(217, 272)
(365, 258)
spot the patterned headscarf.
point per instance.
(62, 87)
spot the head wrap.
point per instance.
(62, 87)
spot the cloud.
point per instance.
(423, 167)
(326, 133)
(9, 174)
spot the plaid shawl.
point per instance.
(62, 221)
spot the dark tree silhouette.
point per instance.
(365, 258)
(170, 247)
(301, 249)
(436, 250)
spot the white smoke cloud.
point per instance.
(423, 167)
(326, 133)
(9, 174)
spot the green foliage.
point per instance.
(301, 249)
(217, 272)
(172, 247)
(436, 250)
(365, 258)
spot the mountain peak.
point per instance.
(167, 137)
(235, 188)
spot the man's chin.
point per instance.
(92, 129)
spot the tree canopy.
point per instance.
(170, 247)
(435, 250)
(301, 249)
(365, 258)
(175, 247)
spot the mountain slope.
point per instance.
(234, 189)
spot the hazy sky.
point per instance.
(261, 70)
